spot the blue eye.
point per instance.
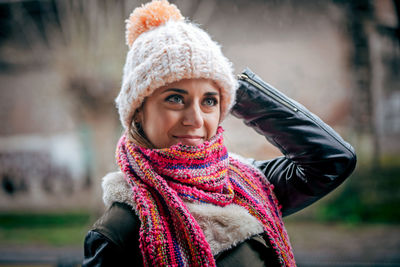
(178, 99)
(210, 101)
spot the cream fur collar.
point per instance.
(223, 227)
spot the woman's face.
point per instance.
(187, 112)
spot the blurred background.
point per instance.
(60, 70)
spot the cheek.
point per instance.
(213, 123)
(157, 124)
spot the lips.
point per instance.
(190, 140)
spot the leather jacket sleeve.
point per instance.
(316, 159)
(100, 251)
(114, 239)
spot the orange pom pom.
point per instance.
(149, 16)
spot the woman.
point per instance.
(180, 199)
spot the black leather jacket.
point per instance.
(316, 160)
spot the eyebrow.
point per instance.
(181, 91)
(176, 90)
(211, 93)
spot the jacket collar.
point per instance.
(223, 227)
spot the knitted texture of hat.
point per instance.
(164, 48)
(162, 180)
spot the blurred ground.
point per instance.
(315, 244)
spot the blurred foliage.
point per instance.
(369, 196)
(34, 220)
(54, 229)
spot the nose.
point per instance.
(193, 116)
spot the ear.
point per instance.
(138, 115)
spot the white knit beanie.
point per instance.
(164, 48)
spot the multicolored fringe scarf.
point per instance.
(162, 179)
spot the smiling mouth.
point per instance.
(190, 140)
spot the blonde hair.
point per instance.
(137, 135)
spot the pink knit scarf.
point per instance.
(162, 179)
